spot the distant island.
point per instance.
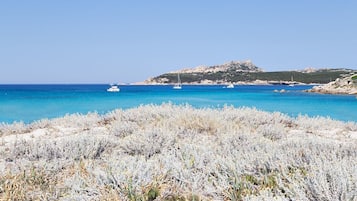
(245, 72)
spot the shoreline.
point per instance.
(154, 84)
(258, 82)
(273, 91)
(21, 123)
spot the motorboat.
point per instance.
(230, 86)
(113, 88)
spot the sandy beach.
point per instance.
(168, 152)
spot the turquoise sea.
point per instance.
(29, 103)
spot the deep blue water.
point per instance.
(33, 102)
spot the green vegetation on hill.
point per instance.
(321, 76)
(354, 79)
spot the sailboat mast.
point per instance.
(178, 84)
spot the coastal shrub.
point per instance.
(77, 120)
(43, 123)
(351, 126)
(272, 132)
(176, 152)
(30, 184)
(146, 143)
(318, 123)
(76, 147)
(123, 128)
(14, 128)
(194, 123)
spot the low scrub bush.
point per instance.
(172, 152)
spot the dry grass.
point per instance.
(170, 152)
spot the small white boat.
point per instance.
(230, 86)
(113, 88)
(178, 85)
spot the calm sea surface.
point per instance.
(33, 102)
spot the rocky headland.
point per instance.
(347, 85)
(245, 72)
(239, 66)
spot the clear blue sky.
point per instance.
(82, 41)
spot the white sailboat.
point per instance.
(178, 85)
(292, 82)
(229, 85)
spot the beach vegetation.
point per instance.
(177, 152)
